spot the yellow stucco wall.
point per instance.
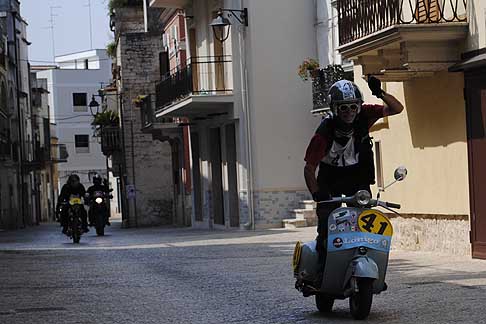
(429, 138)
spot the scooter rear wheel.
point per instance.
(360, 303)
(324, 303)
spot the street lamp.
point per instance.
(94, 105)
(221, 25)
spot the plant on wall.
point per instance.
(308, 68)
(111, 49)
(104, 119)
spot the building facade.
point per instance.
(248, 111)
(145, 164)
(430, 56)
(18, 197)
(71, 87)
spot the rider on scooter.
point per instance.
(73, 186)
(97, 186)
(342, 149)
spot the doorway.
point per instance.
(216, 176)
(476, 140)
(232, 176)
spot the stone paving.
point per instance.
(167, 275)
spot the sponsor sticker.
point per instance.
(351, 240)
(338, 242)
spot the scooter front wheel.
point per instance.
(324, 303)
(360, 303)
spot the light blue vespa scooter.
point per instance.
(358, 246)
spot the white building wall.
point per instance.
(280, 102)
(62, 83)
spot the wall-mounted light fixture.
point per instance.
(221, 25)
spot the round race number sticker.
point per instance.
(373, 221)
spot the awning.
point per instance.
(471, 60)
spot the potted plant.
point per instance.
(309, 69)
(139, 100)
(104, 119)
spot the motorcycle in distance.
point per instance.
(74, 205)
(358, 246)
(98, 210)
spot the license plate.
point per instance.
(75, 201)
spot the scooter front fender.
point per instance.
(364, 267)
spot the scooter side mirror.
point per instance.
(400, 173)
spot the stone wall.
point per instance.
(148, 162)
(271, 207)
(444, 234)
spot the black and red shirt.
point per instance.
(323, 148)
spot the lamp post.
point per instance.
(221, 25)
(94, 105)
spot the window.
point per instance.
(81, 143)
(80, 102)
(379, 165)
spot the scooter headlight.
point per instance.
(363, 197)
(99, 200)
(362, 250)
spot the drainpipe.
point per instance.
(246, 109)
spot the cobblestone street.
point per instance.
(188, 276)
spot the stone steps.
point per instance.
(302, 217)
(293, 223)
(307, 204)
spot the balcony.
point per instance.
(44, 156)
(161, 128)
(110, 140)
(59, 153)
(402, 39)
(203, 86)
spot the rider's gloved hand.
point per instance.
(375, 86)
(320, 196)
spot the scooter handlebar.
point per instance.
(392, 205)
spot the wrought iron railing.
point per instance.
(360, 18)
(200, 76)
(110, 140)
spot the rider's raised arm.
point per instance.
(392, 105)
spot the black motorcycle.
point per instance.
(98, 211)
